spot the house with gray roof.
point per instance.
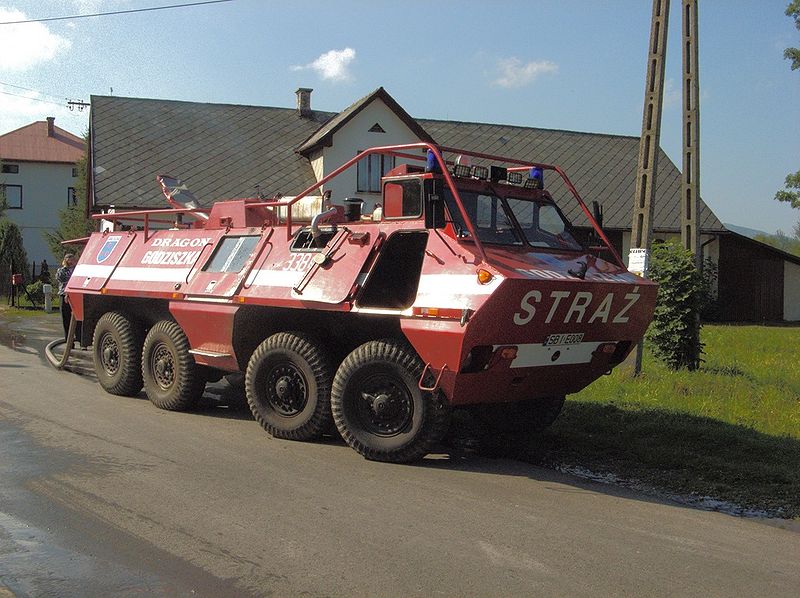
(224, 151)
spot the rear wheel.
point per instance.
(379, 408)
(117, 351)
(172, 379)
(288, 386)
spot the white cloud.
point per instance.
(332, 65)
(514, 73)
(24, 46)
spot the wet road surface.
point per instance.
(103, 495)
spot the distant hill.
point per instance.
(743, 230)
(784, 242)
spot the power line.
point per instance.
(115, 12)
(19, 95)
(28, 89)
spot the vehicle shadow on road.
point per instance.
(699, 461)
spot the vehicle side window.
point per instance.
(402, 199)
(231, 254)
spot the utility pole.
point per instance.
(690, 182)
(642, 229)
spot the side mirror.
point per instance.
(434, 204)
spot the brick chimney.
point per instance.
(51, 127)
(304, 101)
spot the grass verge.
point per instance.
(730, 431)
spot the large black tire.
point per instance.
(379, 408)
(288, 386)
(172, 378)
(520, 417)
(117, 353)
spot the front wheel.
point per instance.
(172, 378)
(379, 408)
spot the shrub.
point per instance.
(675, 331)
(35, 292)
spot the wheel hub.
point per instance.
(163, 367)
(109, 354)
(287, 391)
(283, 388)
(387, 406)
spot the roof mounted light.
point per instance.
(535, 179)
(514, 178)
(431, 163)
(480, 172)
(462, 166)
(462, 170)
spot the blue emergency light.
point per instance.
(432, 164)
(535, 179)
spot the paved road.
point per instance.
(102, 495)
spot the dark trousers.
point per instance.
(66, 316)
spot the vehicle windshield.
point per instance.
(511, 221)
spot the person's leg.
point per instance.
(66, 315)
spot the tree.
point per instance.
(13, 259)
(782, 241)
(791, 193)
(793, 54)
(73, 223)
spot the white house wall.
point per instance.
(44, 193)
(355, 136)
(791, 291)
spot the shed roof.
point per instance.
(32, 144)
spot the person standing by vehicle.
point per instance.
(62, 278)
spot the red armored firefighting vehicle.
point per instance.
(465, 287)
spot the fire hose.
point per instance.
(60, 362)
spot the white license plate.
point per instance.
(565, 338)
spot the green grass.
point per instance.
(751, 377)
(730, 431)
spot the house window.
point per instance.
(10, 169)
(13, 195)
(72, 199)
(370, 171)
(74, 172)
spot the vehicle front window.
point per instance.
(511, 221)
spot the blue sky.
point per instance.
(574, 65)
